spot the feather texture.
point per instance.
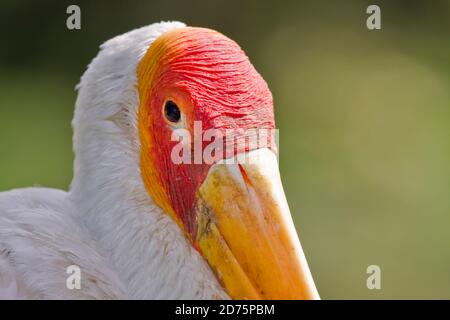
(125, 245)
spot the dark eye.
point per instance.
(171, 111)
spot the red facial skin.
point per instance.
(211, 80)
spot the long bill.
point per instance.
(246, 233)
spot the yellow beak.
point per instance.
(245, 231)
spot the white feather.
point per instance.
(107, 224)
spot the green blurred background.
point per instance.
(363, 118)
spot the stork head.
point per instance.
(234, 212)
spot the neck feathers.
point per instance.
(147, 248)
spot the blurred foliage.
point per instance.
(363, 118)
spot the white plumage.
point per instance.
(125, 245)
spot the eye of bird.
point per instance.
(172, 112)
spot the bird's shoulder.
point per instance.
(45, 250)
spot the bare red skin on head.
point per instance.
(212, 81)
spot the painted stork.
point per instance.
(138, 225)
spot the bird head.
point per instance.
(231, 207)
